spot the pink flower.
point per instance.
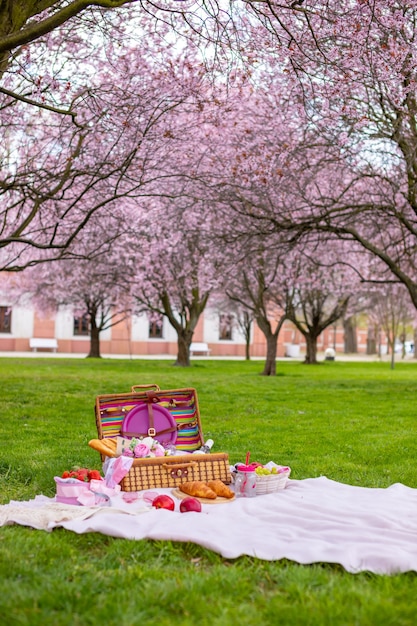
(141, 450)
(127, 452)
(158, 450)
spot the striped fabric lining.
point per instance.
(182, 406)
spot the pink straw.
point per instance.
(247, 458)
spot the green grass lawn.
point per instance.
(352, 422)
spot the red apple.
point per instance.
(163, 502)
(190, 504)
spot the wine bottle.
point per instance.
(205, 448)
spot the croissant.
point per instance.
(220, 489)
(198, 489)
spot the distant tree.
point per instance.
(391, 311)
(257, 287)
(178, 269)
(319, 291)
(96, 287)
(244, 320)
(357, 309)
(240, 316)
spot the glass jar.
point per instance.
(245, 482)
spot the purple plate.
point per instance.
(136, 423)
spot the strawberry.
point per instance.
(83, 474)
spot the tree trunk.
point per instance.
(94, 343)
(183, 351)
(245, 324)
(415, 343)
(185, 326)
(246, 329)
(270, 368)
(391, 346)
(371, 341)
(311, 344)
(350, 338)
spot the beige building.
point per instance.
(138, 336)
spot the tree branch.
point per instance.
(36, 29)
(40, 105)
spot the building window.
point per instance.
(156, 327)
(226, 326)
(5, 319)
(81, 324)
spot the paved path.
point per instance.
(373, 358)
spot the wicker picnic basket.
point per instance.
(168, 471)
(175, 470)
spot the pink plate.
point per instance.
(136, 423)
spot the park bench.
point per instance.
(199, 348)
(292, 350)
(41, 343)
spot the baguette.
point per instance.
(111, 442)
(104, 446)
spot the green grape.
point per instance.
(264, 471)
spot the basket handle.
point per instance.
(156, 387)
(178, 470)
(178, 465)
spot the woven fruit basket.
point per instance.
(271, 482)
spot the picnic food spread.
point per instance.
(150, 438)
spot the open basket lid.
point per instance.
(150, 420)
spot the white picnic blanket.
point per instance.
(310, 521)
